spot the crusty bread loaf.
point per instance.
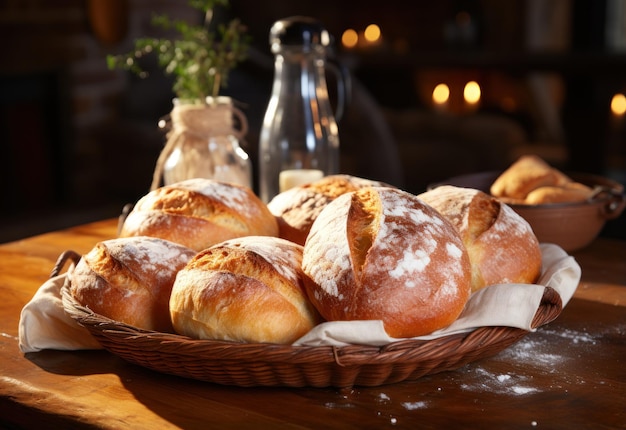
(249, 289)
(297, 207)
(130, 280)
(532, 181)
(502, 246)
(380, 253)
(199, 213)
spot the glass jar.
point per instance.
(203, 142)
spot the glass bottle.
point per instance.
(299, 139)
(203, 142)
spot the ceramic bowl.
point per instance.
(572, 226)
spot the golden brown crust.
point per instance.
(532, 181)
(249, 289)
(382, 254)
(130, 280)
(526, 174)
(297, 208)
(199, 213)
(569, 193)
(502, 246)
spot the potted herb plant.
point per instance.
(202, 140)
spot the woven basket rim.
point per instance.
(234, 363)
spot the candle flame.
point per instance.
(471, 92)
(618, 104)
(441, 94)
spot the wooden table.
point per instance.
(569, 374)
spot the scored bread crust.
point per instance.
(502, 245)
(248, 289)
(199, 213)
(297, 207)
(130, 280)
(381, 254)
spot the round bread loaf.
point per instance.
(130, 280)
(502, 246)
(199, 213)
(297, 207)
(249, 289)
(382, 254)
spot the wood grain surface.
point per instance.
(569, 374)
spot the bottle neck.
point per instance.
(301, 71)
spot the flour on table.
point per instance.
(479, 380)
(411, 406)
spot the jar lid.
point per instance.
(300, 31)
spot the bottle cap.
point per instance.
(301, 31)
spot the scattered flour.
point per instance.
(479, 379)
(411, 406)
(529, 351)
(574, 336)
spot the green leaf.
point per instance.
(199, 59)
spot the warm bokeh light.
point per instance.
(471, 92)
(441, 94)
(349, 38)
(372, 33)
(618, 104)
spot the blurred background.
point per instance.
(545, 77)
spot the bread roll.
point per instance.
(526, 174)
(502, 246)
(199, 213)
(382, 254)
(297, 208)
(569, 193)
(249, 289)
(532, 181)
(130, 280)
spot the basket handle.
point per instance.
(614, 206)
(122, 218)
(62, 260)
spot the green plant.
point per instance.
(200, 59)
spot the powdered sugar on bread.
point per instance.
(153, 255)
(232, 195)
(199, 213)
(130, 280)
(414, 276)
(284, 256)
(501, 244)
(331, 245)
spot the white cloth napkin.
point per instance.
(45, 325)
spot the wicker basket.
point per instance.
(241, 364)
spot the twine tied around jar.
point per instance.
(194, 124)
